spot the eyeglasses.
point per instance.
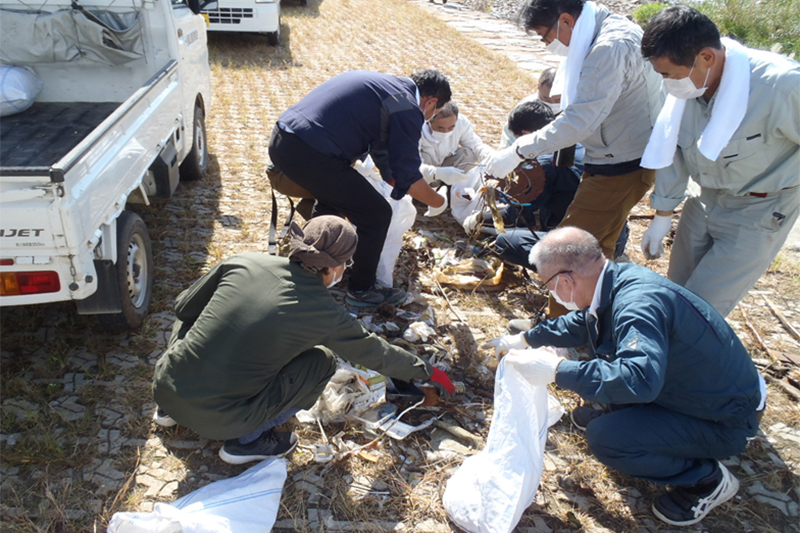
(549, 29)
(543, 286)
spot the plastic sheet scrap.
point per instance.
(247, 503)
(491, 490)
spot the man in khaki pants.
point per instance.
(611, 97)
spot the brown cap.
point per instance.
(324, 242)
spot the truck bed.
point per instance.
(43, 134)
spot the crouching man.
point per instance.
(256, 339)
(681, 390)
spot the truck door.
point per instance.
(194, 68)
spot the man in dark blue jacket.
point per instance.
(681, 389)
(350, 116)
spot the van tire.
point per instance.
(195, 165)
(134, 274)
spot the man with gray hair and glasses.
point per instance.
(679, 389)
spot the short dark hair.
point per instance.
(431, 82)
(547, 76)
(532, 115)
(679, 33)
(447, 110)
(545, 12)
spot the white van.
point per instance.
(254, 16)
(120, 120)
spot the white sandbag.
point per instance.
(403, 215)
(491, 490)
(19, 87)
(247, 503)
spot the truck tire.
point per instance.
(195, 165)
(274, 37)
(134, 273)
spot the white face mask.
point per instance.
(555, 106)
(557, 47)
(571, 305)
(440, 135)
(685, 88)
(336, 279)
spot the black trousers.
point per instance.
(339, 190)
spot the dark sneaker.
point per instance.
(684, 506)
(161, 418)
(519, 325)
(269, 444)
(581, 416)
(375, 296)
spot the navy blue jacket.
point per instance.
(358, 112)
(655, 342)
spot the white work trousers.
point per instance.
(724, 243)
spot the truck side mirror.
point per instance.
(194, 5)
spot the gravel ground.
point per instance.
(508, 9)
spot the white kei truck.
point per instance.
(120, 120)
(248, 16)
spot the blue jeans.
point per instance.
(657, 444)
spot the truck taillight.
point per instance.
(6, 262)
(19, 283)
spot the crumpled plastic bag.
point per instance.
(247, 503)
(418, 331)
(351, 390)
(403, 215)
(491, 490)
(19, 87)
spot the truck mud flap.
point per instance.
(165, 171)
(106, 300)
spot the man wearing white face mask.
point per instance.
(732, 123)
(610, 98)
(256, 340)
(449, 147)
(681, 391)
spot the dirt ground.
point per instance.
(78, 443)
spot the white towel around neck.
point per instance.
(566, 79)
(729, 110)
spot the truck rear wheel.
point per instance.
(134, 272)
(195, 165)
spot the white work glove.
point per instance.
(652, 240)
(436, 211)
(503, 162)
(538, 367)
(449, 175)
(506, 343)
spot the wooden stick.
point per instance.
(777, 312)
(753, 330)
(792, 391)
(446, 299)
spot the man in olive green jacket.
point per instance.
(256, 340)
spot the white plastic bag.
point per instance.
(403, 215)
(491, 490)
(247, 503)
(464, 197)
(19, 87)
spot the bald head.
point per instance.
(568, 248)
